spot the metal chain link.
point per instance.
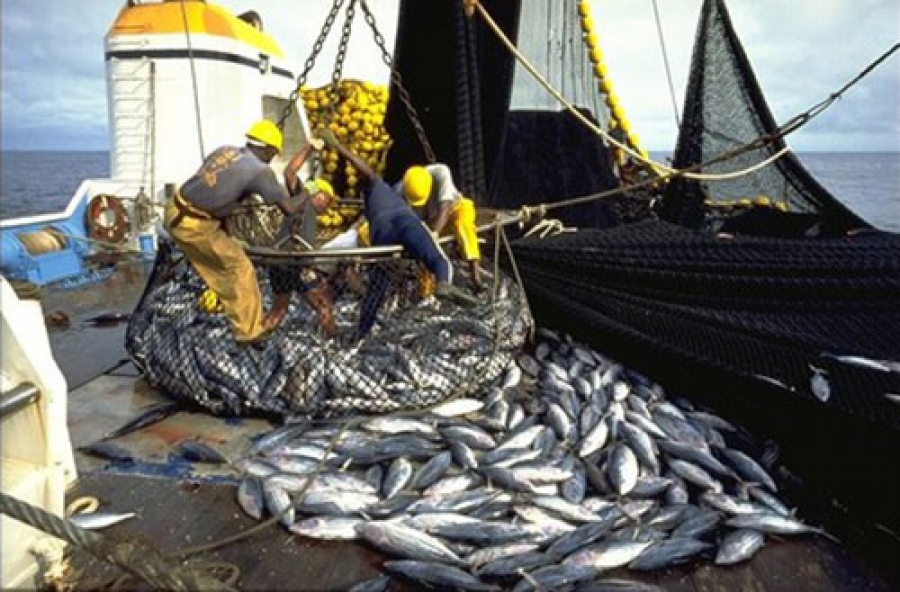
(398, 83)
(339, 60)
(310, 62)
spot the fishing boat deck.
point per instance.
(181, 504)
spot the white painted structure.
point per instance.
(37, 459)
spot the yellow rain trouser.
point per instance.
(224, 266)
(462, 218)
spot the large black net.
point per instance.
(507, 140)
(724, 110)
(783, 313)
(365, 335)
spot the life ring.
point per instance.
(107, 219)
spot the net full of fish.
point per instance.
(418, 352)
(569, 466)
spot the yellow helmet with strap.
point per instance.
(266, 132)
(417, 185)
(314, 186)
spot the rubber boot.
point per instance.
(448, 291)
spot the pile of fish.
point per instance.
(571, 467)
(418, 353)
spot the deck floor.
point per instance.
(176, 515)
(185, 504)
(181, 504)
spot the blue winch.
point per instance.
(43, 250)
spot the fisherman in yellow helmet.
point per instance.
(391, 221)
(194, 220)
(430, 191)
(319, 195)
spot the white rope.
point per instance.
(597, 130)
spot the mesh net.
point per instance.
(724, 110)
(358, 337)
(762, 310)
(506, 140)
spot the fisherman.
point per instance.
(430, 191)
(195, 213)
(390, 220)
(312, 285)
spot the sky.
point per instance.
(54, 94)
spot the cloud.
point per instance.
(53, 79)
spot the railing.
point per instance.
(18, 398)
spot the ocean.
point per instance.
(43, 182)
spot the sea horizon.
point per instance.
(43, 181)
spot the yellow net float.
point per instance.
(584, 9)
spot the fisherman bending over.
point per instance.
(194, 220)
(392, 221)
(430, 191)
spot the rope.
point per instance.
(136, 558)
(662, 45)
(796, 122)
(187, 34)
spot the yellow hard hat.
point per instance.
(266, 132)
(417, 185)
(314, 186)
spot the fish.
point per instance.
(376, 584)
(439, 575)
(197, 451)
(431, 471)
(590, 466)
(487, 555)
(622, 469)
(457, 407)
(278, 503)
(863, 362)
(332, 528)
(739, 545)
(107, 450)
(668, 552)
(108, 318)
(618, 585)
(250, 497)
(99, 520)
(149, 416)
(819, 384)
(608, 554)
(773, 523)
(747, 467)
(404, 541)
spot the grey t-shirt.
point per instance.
(443, 191)
(228, 175)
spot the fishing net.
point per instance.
(361, 335)
(774, 312)
(724, 110)
(508, 142)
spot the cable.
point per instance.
(789, 127)
(187, 34)
(662, 45)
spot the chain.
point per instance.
(396, 79)
(339, 59)
(310, 62)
